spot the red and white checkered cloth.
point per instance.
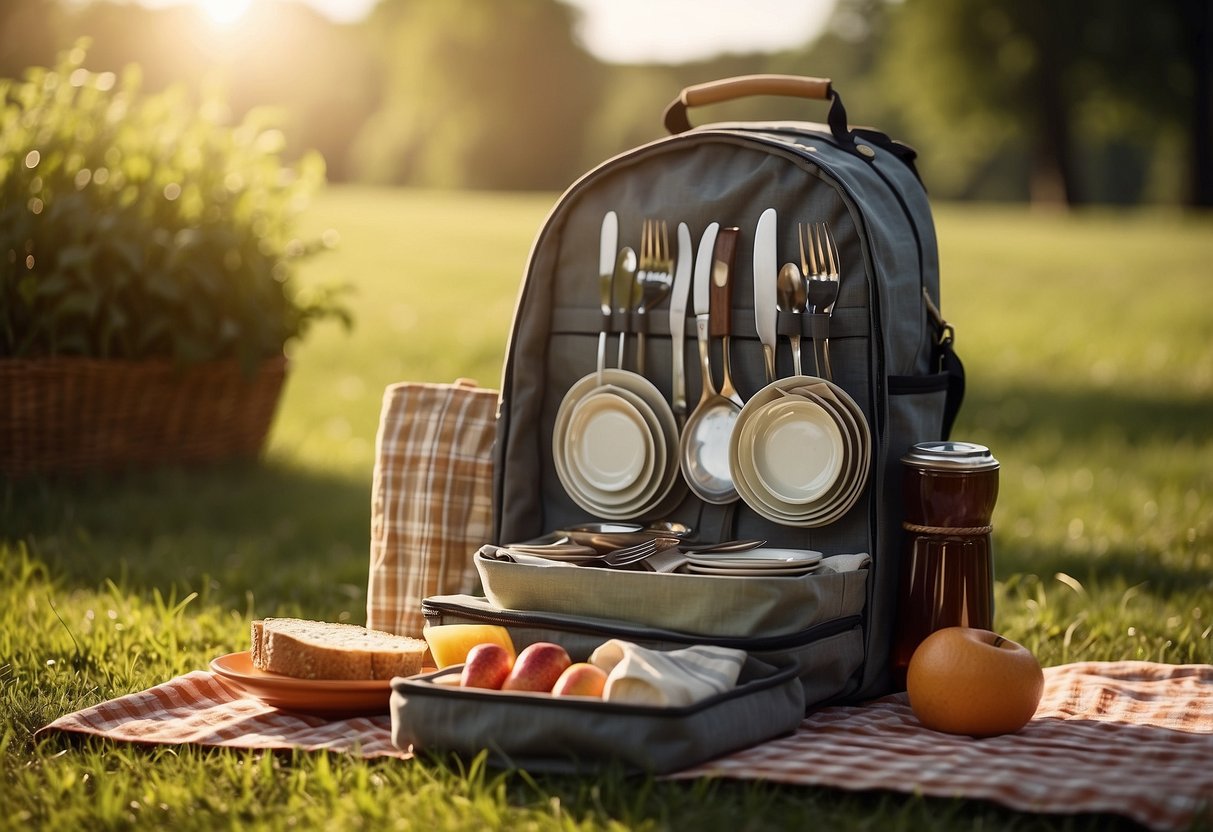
(1126, 738)
(197, 709)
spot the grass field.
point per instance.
(1087, 341)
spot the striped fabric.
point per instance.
(431, 498)
(1126, 738)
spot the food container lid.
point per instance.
(950, 456)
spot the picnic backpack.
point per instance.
(890, 350)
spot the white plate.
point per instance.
(750, 573)
(850, 484)
(643, 489)
(608, 443)
(796, 448)
(665, 436)
(761, 558)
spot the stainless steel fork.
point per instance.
(819, 264)
(635, 554)
(654, 278)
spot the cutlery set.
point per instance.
(621, 449)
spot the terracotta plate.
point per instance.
(323, 697)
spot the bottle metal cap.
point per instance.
(950, 456)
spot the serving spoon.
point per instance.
(703, 448)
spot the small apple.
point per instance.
(968, 681)
(580, 679)
(537, 667)
(487, 666)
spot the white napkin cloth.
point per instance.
(640, 676)
(514, 556)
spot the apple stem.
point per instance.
(998, 640)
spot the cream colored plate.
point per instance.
(609, 444)
(665, 436)
(848, 487)
(796, 449)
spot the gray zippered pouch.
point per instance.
(813, 623)
(540, 732)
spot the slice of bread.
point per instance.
(322, 650)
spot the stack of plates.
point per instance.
(800, 452)
(614, 445)
(756, 563)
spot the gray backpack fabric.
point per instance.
(889, 347)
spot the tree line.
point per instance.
(1085, 101)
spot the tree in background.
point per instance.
(479, 93)
(1084, 93)
(1079, 101)
(316, 73)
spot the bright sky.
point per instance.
(635, 31)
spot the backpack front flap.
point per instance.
(879, 331)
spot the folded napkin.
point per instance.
(639, 676)
(516, 556)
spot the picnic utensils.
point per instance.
(703, 446)
(792, 297)
(654, 278)
(608, 239)
(583, 555)
(621, 289)
(820, 269)
(801, 452)
(678, 324)
(720, 324)
(765, 292)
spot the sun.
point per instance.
(224, 11)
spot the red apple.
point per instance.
(968, 681)
(580, 679)
(487, 666)
(537, 667)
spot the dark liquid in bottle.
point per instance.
(949, 490)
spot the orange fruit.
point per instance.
(968, 681)
(451, 643)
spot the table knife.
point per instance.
(678, 322)
(608, 241)
(766, 273)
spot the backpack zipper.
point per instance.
(433, 610)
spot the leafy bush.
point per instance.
(142, 226)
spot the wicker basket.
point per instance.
(74, 415)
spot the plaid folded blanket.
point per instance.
(1127, 738)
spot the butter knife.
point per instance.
(678, 323)
(700, 292)
(608, 240)
(765, 291)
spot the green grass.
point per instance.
(1090, 361)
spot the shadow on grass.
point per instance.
(1079, 415)
(1118, 567)
(273, 538)
(266, 537)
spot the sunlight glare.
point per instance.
(224, 11)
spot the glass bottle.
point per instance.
(947, 571)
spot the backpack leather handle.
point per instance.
(747, 86)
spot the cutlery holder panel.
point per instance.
(876, 327)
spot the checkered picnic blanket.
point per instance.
(1126, 738)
